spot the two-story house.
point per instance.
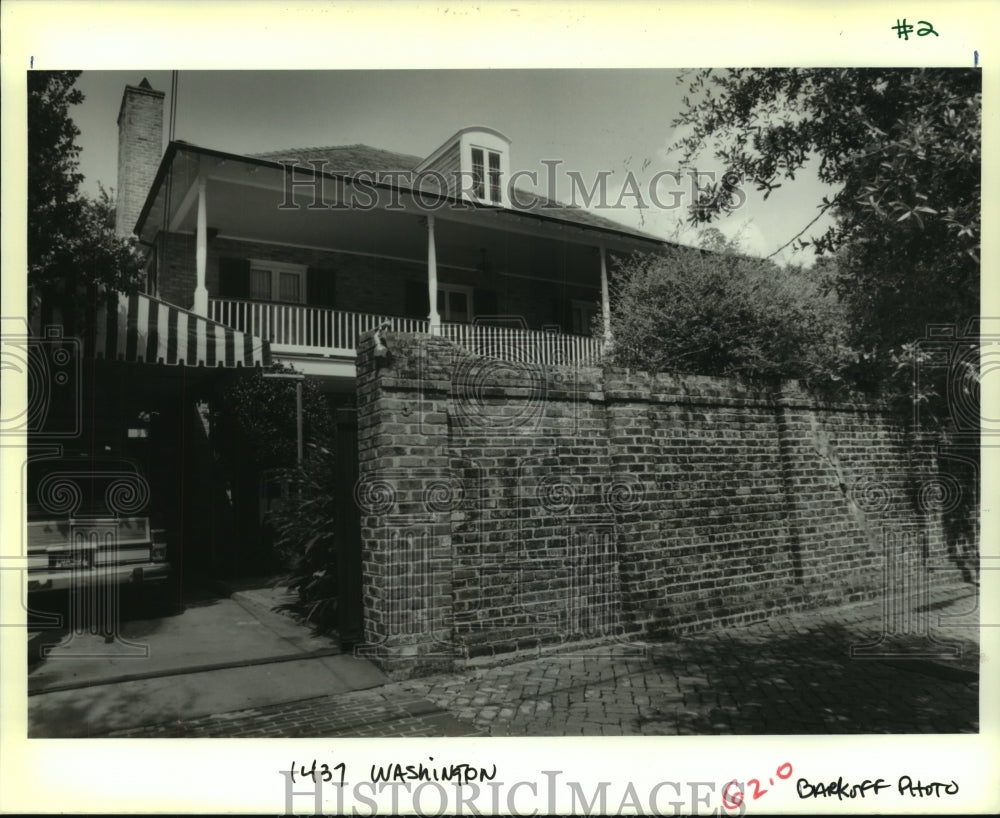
(306, 248)
(289, 256)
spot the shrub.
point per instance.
(303, 524)
(690, 311)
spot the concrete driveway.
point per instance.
(221, 653)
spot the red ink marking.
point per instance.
(732, 800)
(732, 793)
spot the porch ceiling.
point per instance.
(244, 197)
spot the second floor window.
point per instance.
(583, 314)
(455, 303)
(270, 281)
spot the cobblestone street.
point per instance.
(792, 674)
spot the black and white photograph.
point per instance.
(566, 405)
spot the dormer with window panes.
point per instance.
(475, 164)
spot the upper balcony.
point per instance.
(301, 330)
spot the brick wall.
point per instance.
(405, 516)
(176, 277)
(510, 506)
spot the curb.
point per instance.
(186, 671)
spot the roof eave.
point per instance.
(177, 146)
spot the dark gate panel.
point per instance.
(350, 618)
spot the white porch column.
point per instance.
(605, 299)
(432, 279)
(201, 253)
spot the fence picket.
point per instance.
(324, 329)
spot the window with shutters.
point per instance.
(455, 303)
(277, 281)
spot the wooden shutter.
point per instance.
(416, 303)
(320, 287)
(487, 303)
(562, 312)
(234, 278)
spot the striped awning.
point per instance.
(147, 330)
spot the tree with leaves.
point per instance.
(903, 147)
(72, 246)
(722, 313)
(256, 417)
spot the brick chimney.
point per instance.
(140, 147)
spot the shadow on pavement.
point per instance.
(809, 683)
(141, 614)
(222, 654)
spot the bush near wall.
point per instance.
(687, 311)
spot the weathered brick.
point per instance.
(649, 504)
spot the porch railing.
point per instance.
(291, 327)
(514, 344)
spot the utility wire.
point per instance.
(803, 230)
(173, 105)
(171, 131)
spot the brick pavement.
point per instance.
(385, 711)
(792, 674)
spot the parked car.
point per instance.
(89, 523)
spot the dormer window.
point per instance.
(474, 162)
(480, 178)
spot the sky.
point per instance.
(593, 122)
